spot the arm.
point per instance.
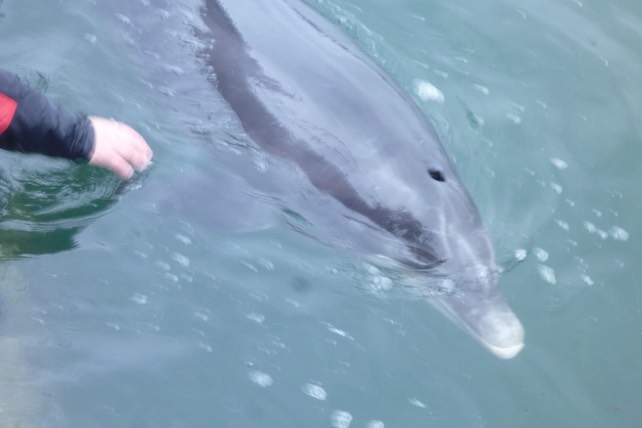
(30, 123)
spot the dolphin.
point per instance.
(305, 94)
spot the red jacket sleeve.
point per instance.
(8, 108)
(30, 123)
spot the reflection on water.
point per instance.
(46, 205)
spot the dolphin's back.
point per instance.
(242, 82)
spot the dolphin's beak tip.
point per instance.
(506, 334)
(508, 352)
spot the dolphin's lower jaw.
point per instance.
(487, 318)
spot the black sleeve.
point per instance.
(39, 126)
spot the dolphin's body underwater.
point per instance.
(304, 93)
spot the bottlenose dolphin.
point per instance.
(306, 94)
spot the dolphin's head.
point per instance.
(448, 243)
(474, 303)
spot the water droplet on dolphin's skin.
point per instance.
(428, 92)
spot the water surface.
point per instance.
(135, 305)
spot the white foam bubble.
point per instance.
(541, 254)
(587, 279)
(314, 391)
(205, 346)
(340, 419)
(547, 274)
(181, 259)
(257, 318)
(590, 227)
(184, 239)
(514, 118)
(202, 316)
(428, 92)
(338, 331)
(557, 188)
(564, 225)
(520, 254)
(261, 379)
(484, 90)
(618, 233)
(415, 402)
(141, 299)
(91, 38)
(559, 163)
(381, 283)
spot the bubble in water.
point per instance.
(257, 318)
(202, 316)
(619, 234)
(205, 346)
(587, 279)
(268, 265)
(124, 19)
(164, 266)
(314, 391)
(371, 269)
(447, 286)
(520, 254)
(564, 225)
(589, 226)
(141, 299)
(184, 239)
(559, 163)
(428, 92)
(91, 38)
(417, 403)
(547, 274)
(261, 165)
(181, 259)
(167, 91)
(484, 90)
(171, 277)
(340, 419)
(541, 254)
(174, 69)
(338, 331)
(261, 379)
(557, 188)
(381, 283)
(113, 325)
(514, 118)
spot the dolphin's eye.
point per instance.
(436, 175)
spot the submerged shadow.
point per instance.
(43, 209)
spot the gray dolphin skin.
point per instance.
(304, 93)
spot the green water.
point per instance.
(132, 307)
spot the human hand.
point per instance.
(118, 147)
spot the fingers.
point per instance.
(119, 165)
(133, 148)
(118, 147)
